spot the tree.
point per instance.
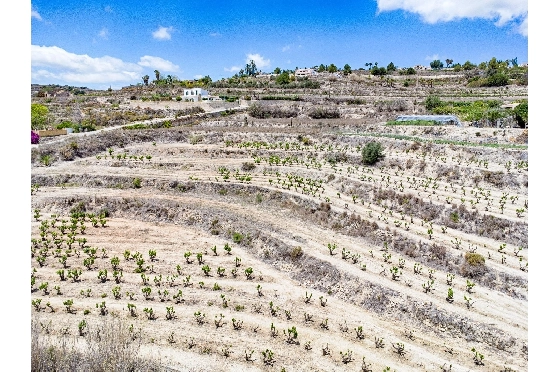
(372, 153)
(521, 114)
(468, 65)
(378, 70)
(39, 116)
(206, 80)
(448, 62)
(157, 74)
(322, 68)
(277, 70)
(391, 67)
(436, 64)
(283, 78)
(332, 68)
(347, 69)
(251, 68)
(410, 71)
(145, 78)
(493, 64)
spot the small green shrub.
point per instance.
(372, 153)
(137, 183)
(454, 216)
(46, 160)
(433, 102)
(237, 237)
(136, 126)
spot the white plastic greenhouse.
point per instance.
(439, 119)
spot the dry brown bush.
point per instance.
(296, 253)
(247, 166)
(108, 346)
(494, 178)
(325, 207)
(409, 163)
(69, 151)
(271, 111)
(415, 146)
(473, 265)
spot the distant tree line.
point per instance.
(486, 74)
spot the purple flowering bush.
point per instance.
(34, 138)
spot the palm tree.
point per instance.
(250, 68)
(146, 78)
(157, 74)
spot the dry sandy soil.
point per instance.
(279, 201)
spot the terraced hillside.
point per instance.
(256, 245)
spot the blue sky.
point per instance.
(102, 43)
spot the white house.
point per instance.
(300, 72)
(195, 94)
(198, 94)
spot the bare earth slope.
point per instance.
(405, 232)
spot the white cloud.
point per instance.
(286, 48)
(233, 69)
(158, 63)
(433, 11)
(163, 33)
(108, 9)
(260, 62)
(524, 27)
(57, 64)
(35, 14)
(432, 57)
(215, 34)
(104, 33)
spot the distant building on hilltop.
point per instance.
(301, 72)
